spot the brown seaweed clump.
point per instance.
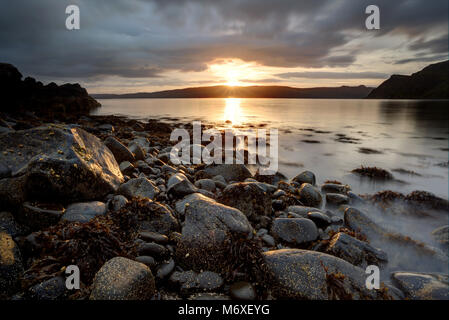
(373, 172)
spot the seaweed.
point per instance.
(373, 172)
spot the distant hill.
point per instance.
(430, 83)
(343, 92)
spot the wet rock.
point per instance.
(270, 179)
(242, 291)
(139, 187)
(181, 204)
(118, 202)
(206, 184)
(9, 224)
(208, 226)
(422, 286)
(51, 289)
(294, 231)
(38, 216)
(123, 279)
(165, 269)
(120, 151)
(151, 249)
(56, 161)
(157, 217)
(336, 199)
(269, 240)
(248, 197)
(84, 211)
(146, 260)
(305, 177)
(180, 186)
(354, 251)
(139, 153)
(302, 211)
(335, 188)
(153, 236)
(231, 172)
(441, 235)
(11, 266)
(321, 220)
(127, 168)
(310, 275)
(191, 281)
(220, 182)
(278, 193)
(310, 195)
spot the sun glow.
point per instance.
(234, 72)
(233, 111)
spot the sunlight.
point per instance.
(232, 111)
(234, 72)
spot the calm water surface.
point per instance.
(408, 135)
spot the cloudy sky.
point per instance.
(149, 45)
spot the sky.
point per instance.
(151, 45)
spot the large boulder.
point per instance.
(208, 228)
(123, 279)
(311, 275)
(11, 266)
(248, 197)
(295, 231)
(56, 161)
(231, 172)
(422, 286)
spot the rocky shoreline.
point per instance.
(100, 192)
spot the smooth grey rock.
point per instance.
(242, 291)
(55, 162)
(119, 150)
(206, 184)
(321, 220)
(151, 249)
(336, 199)
(153, 237)
(139, 153)
(310, 195)
(302, 211)
(180, 186)
(231, 172)
(422, 286)
(165, 269)
(305, 177)
(146, 260)
(354, 251)
(269, 240)
(302, 274)
(181, 204)
(123, 279)
(220, 182)
(84, 211)
(207, 227)
(294, 230)
(159, 218)
(139, 187)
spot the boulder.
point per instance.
(206, 184)
(139, 187)
(336, 199)
(354, 251)
(11, 267)
(294, 231)
(123, 279)
(207, 229)
(248, 197)
(310, 195)
(84, 211)
(231, 172)
(119, 150)
(180, 186)
(422, 286)
(311, 275)
(305, 177)
(157, 217)
(57, 161)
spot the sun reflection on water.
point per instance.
(233, 111)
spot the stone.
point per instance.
(269, 240)
(5, 172)
(180, 186)
(146, 260)
(117, 202)
(336, 199)
(208, 226)
(354, 251)
(230, 172)
(84, 211)
(55, 162)
(302, 211)
(152, 249)
(335, 188)
(165, 269)
(181, 204)
(206, 184)
(294, 231)
(303, 274)
(120, 151)
(51, 289)
(139, 153)
(123, 279)
(191, 281)
(127, 168)
(310, 195)
(321, 220)
(139, 187)
(422, 286)
(242, 291)
(157, 218)
(11, 267)
(153, 237)
(441, 235)
(248, 197)
(305, 177)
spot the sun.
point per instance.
(234, 72)
(232, 77)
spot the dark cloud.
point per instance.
(144, 39)
(333, 75)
